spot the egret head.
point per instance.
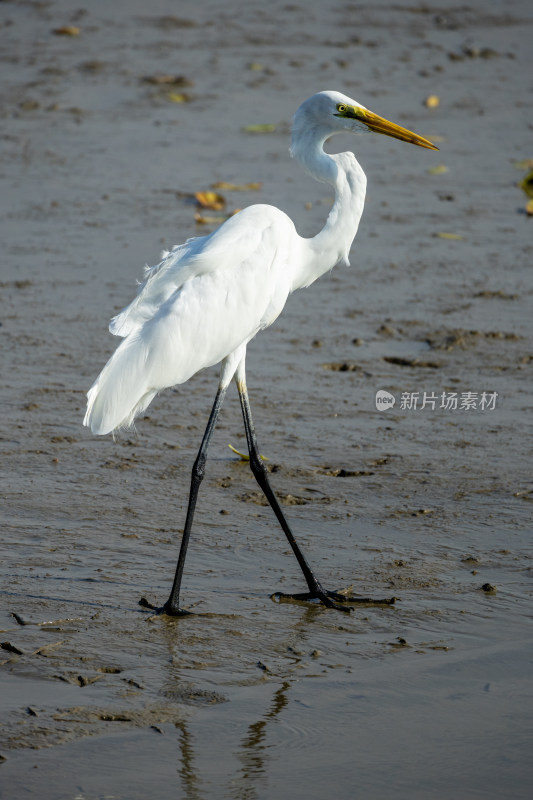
(328, 113)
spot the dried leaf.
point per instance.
(432, 101)
(179, 97)
(172, 80)
(529, 208)
(237, 187)
(212, 200)
(526, 163)
(67, 30)
(201, 219)
(443, 235)
(439, 170)
(266, 128)
(29, 105)
(245, 456)
(242, 456)
(527, 184)
(255, 67)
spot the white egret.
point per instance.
(209, 297)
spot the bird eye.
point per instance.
(341, 107)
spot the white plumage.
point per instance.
(207, 298)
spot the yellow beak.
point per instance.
(381, 125)
(378, 124)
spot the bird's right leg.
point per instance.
(316, 590)
(172, 606)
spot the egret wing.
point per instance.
(160, 281)
(237, 282)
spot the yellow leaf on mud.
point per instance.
(432, 101)
(440, 170)
(444, 235)
(266, 128)
(236, 187)
(179, 97)
(67, 30)
(244, 456)
(529, 208)
(212, 200)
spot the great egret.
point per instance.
(209, 297)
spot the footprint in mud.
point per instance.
(341, 472)
(285, 499)
(342, 366)
(401, 361)
(448, 339)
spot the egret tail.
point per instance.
(122, 391)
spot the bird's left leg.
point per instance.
(316, 590)
(172, 606)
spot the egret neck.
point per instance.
(343, 172)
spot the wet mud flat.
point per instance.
(108, 128)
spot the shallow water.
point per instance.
(249, 698)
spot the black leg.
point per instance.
(316, 590)
(198, 471)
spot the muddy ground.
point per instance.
(249, 698)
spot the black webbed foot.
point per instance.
(167, 609)
(333, 599)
